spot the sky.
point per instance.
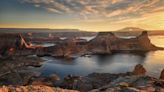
(88, 15)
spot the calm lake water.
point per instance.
(116, 63)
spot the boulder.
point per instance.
(123, 84)
(41, 81)
(70, 81)
(159, 83)
(48, 81)
(54, 77)
(139, 70)
(162, 75)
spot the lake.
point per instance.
(116, 63)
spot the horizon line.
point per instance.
(75, 29)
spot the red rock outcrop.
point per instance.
(65, 49)
(162, 74)
(107, 42)
(32, 88)
(103, 43)
(8, 43)
(139, 70)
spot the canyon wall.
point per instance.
(9, 42)
(103, 43)
(107, 42)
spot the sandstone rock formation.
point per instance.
(65, 49)
(15, 44)
(14, 70)
(92, 81)
(139, 70)
(162, 74)
(105, 82)
(48, 81)
(106, 42)
(8, 43)
(103, 43)
(54, 77)
(100, 82)
(32, 88)
(132, 84)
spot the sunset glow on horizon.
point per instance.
(88, 15)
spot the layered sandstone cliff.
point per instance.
(9, 42)
(107, 42)
(103, 43)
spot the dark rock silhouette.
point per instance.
(9, 42)
(132, 84)
(139, 70)
(14, 70)
(162, 74)
(91, 81)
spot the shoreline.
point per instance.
(94, 82)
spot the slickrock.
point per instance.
(48, 81)
(92, 81)
(139, 70)
(32, 88)
(15, 70)
(132, 84)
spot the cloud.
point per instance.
(99, 8)
(158, 9)
(53, 10)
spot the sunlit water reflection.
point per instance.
(157, 40)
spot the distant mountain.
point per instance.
(131, 29)
(36, 30)
(134, 31)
